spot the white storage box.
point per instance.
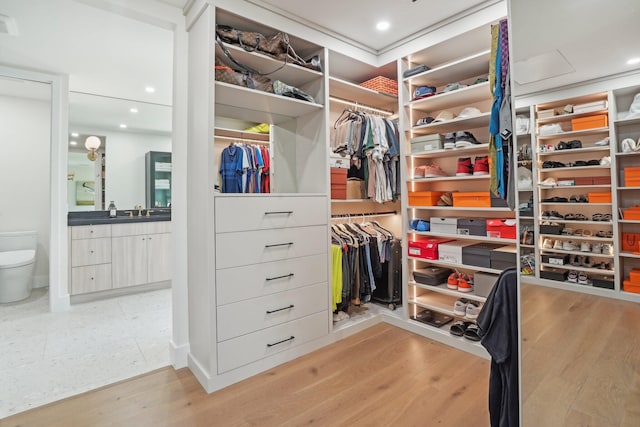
(546, 114)
(589, 107)
(427, 143)
(338, 161)
(452, 251)
(444, 225)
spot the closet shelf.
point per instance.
(572, 204)
(446, 291)
(242, 135)
(568, 187)
(258, 106)
(577, 268)
(567, 117)
(464, 237)
(455, 98)
(456, 124)
(450, 152)
(452, 208)
(527, 246)
(628, 188)
(629, 255)
(456, 266)
(631, 153)
(590, 254)
(573, 134)
(291, 74)
(629, 221)
(460, 69)
(443, 335)
(351, 91)
(627, 122)
(574, 168)
(573, 237)
(450, 178)
(574, 151)
(568, 221)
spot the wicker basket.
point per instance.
(382, 84)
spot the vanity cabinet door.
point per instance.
(159, 257)
(91, 278)
(129, 261)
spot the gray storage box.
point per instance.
(504, 257)
(479, 254)
(472, 227)
(444, 225)
(427, 143)
(554, 274)
(432, 276)
(483, 283)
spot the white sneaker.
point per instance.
(473, 310)
(605, 161)
(549, 182)
(607, 249)
(460, 307)
(596, 248)
(585, 247)
(557, 244)
(602, 142)
(569, 245)
(547, 244)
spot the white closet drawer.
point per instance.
(252, 247)
(241, 283)
(259, 313)
(258, 345)
(261, 213)
(90, 231)
(92, 278)
(90, 251)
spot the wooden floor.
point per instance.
(580, 359)
(384, 376)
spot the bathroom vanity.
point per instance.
(118, 255)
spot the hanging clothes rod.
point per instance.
(357, 105)
(252, 141)
(361, 215)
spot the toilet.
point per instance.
(17, 263)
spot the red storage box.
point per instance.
(599, 197)
(426, 248)
(501, 228)
(382, 84)
(424, 198)
(601, 180)
(583, 180)
(590, 122)
(339, 176)
(473, 199)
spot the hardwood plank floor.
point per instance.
(580, 359)
(383, 376)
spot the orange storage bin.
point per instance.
(634, 276)
(424, 198)
(339, 176)
(590, 122)
(599, 197)
(629, 286)
(632, 176)
(474, 199)
(631, 213)
(382, 84)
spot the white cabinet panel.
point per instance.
(138, 228)
(260, 213)
(248, 348)
(91, 278)
(251, 247)
(159, 257)
(90, 231)
(129, 261)
(90, 251)
(259, 313)
(240, 283)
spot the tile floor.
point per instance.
(49, 356)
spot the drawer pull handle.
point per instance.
(279, 213)
(280, 309)
(280, 277)
(279, 244)
(281, 342)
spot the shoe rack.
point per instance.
(449, 176)
(527, 198)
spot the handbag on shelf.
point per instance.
(630, 242)
(226, 74)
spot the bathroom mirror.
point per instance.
(127, 131)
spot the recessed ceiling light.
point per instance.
(150, 89)
(133, 110)
(633, 61)
(74, 134)
(123, 126)
(73, 143)
(383, 25)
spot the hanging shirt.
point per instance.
(231, 169)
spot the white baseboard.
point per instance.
(179, 355)
(199, 372)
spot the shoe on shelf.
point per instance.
(587, 262)
(433, 171)
(449, 141)
(596, 248)
(555, 215)
(602, 142)
(418, 172)
(452, 281)
(585, 247)
(583, 279)
(460, 307)
(446, 199)
(574, 260)
(465, 283)
(605, 161)
(557, 244)
(570, 245)
(465, 139)
(473, 310)
(465, 167)
(547, 244)
(573, 276)
(549, 182)
(628, 145)
(481, 166)
(607, 249)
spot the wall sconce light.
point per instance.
(92, 144)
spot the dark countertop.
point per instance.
(102, 217)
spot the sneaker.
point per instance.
(557, 244)
(460, 307)
(549, 182)
(465, 283)
(607, 249)
(433, 171)
(547, 244)
(446, 199)
(570, 245)
(555, 215)
(628, 145)
(465, 139)
(583, 279)
(605, 161)
(585, 247)
(573, 276)
(596, 248)
(452, 281)
(587, 262)
(465, 167)
(449, 141)
(473, 310)
(575, 260)
(418, 172)
(602, 142)
(481, 166)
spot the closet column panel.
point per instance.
(200, 178)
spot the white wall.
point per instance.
(125, 168)
(25, 147)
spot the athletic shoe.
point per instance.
(465, 283)
(583, 279)
(607, 249)
(465, 167)
(465, 139)
(449, 141)
(549, 182)
(573, 276)
(587, 262)
(570, 245)
(585, 247)
(602, 142)
(547, 244)
(481, 166)
(473, 310)
(460, 307)
(452, 281)
(557, 244)
(596, 248)
(433, 171)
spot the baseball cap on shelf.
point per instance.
(424, 121)
(634, 109)
(454, 86)
(469, 112)
(423, 91)
(444, 116)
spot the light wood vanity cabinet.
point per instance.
(112, 256)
